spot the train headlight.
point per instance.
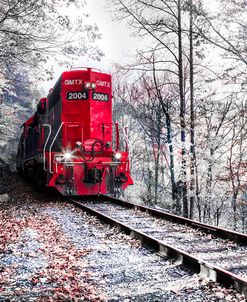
(67, 156)
(118, 155)
(87, 85)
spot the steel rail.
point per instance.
(216, 231)
(204, 268)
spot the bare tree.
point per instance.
(178, 31)
(227, 31)
(33, 31)
(165, 26)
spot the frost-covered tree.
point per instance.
(168, 27)
(34, 36)
(226, 31)
(33, 32)
(210, 67)
(16, 107)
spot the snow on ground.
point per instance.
(220, 252)
(52, 251)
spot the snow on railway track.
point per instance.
(198, 245)
(51, 250)
(126, 272)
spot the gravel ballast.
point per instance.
(128, 272)
(52, 251)
(224, 253)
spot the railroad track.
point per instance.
(216, 253)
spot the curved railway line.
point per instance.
(216, 253)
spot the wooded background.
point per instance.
(182, 93)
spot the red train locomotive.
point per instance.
(71, 143)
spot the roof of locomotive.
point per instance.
(87, 69)
(82, 70)
(76, 70)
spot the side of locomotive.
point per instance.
(71, 142)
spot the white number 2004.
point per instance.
(100, 96)
(77, 95)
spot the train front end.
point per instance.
(85, 153)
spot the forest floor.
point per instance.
(52, 251)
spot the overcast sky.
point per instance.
(117, 43)
(116, 39)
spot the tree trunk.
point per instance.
(157, 159)
(234, 207)
(208, 204)
(192, 118)
(198, 199)
(165, 108)
(182, 113)
(175, 196)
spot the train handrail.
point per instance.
(48, 137)
(52, 143)
(125, 137)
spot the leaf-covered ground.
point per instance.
(51, 251)
(39, 263)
